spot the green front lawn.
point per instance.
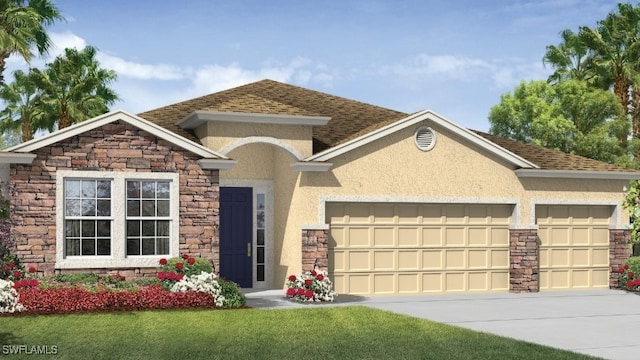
(312, 333)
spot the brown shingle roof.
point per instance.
(272, 97)
(548, 159)
(349, 119)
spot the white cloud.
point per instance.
(65, 40)
(142, 71)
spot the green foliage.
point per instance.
(631, 203)
(78, 278)
(634, 264)
(196, 268)
(233, 297)
(569, 116)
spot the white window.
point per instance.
(115, 219)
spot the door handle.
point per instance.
(248, 249)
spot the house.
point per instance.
(269, 179)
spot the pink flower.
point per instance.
(163, 262)
(191, 261)
(292, 278)
(291, 292)
(162, 275)
(179, 266)
(320, 277)
(308, 294)
(32, 269)
(185, 256)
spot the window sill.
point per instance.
(109, 262)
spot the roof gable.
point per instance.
(110, 117)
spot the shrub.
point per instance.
(204, 282)
(76, 299)
(310, 286)
(629, 274)
(175, 269)
(9, 299)
(233, 297)
(78, 278)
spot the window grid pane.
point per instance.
(87, 217)
(148, 217)
(260, 235)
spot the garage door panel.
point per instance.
(574, 251)
(384, 260)
(383, 237)
(358, 237)
(419, 248)
(409, 237)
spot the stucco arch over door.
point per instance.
(262, 140)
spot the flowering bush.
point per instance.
(9, 300)
(204, 282)
(311, 286)
(175, 269)
(78, 299)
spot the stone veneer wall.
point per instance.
(619, 251)
(117, 146)
(524, 270)
(315, 250)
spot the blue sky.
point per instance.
(454, 57)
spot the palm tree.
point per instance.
(571, 60)
(22, 26)
(75, 87)
(23, 111)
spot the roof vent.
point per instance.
(425, 138)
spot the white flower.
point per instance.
(322, 289)
(9, 298)
(205, 282)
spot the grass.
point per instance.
(309, 333)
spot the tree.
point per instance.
(74, 87)
(23, 26)
(571, 60)
(569, 116)
(23, 110)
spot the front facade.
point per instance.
(268, 179)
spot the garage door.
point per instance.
(385, 249)
(574, 246)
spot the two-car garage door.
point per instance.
(382, 248)
(386, 248)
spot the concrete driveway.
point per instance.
(601, 323)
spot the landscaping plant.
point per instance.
(629, 274)
(311, 286)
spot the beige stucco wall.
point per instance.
(219, 135)
(392, 169)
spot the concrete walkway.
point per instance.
(601, 323)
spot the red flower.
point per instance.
(17, 274)
(621, 270)
(191, 261)
(12, 265)
(291, 292)
(179, 277)
(313, 273)
(162, 275)
(179, 266)
(629, 284)
(185, 256)
(320, 277)
(300, 291)
(5, 268)
(292, 278)
(33, 283)
(32, 269)
(308, 294)
(630, 274)
(163, 262)
(171, 275)
(626, 267)
(308, 282)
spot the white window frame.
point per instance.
(118, 257)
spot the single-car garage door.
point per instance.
(574, 246)
(382, 248)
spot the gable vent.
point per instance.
(425, 138)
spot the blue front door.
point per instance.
(236, 235)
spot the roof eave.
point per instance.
(218, 164)
(16, 158)
(577, 174)
(199, 117)
(305, 166)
